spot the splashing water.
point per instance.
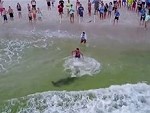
(127, 98)
(83, 66)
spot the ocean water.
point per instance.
(128, 98)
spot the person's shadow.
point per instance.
(64, 81)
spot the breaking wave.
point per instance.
(127, 98)
(83, 66)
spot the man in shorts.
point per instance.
(83, 38)
(117, 15)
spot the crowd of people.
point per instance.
(103, 10)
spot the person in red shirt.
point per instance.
(77, 53)
(60, 10)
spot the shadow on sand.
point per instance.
(64, 81)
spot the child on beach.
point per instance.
(19, 10)
(28, 7)
(77, 53)
(117, 15)
(4, 14)
(83, 38)
(11, 13)
(39, 14)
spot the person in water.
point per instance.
(83, 38)
(77, 53)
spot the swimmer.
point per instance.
(76, 53)
(83, 38)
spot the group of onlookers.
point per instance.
(104, 10)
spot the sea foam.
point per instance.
(128, 98)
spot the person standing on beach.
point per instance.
(33, 3)
(61, 3)
(83, 38)
(124, 3)
(80, 12)
(4, 14)
(1, 6)
(89, 7)
(105, 10)
(60, 10)
(117, 15)
(19, 10)
(30, 16)
(143, 15)
(28, 7)
(11, 13)
(34, 13)
(68, 5)
(53, 1)
(110, 8)
(71, 11)
(147, 18)
(101, 12)
(48, 4)
(39, 14)
(96, 6)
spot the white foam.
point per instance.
(82, 66)
(127, 98)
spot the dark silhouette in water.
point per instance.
(64, 81)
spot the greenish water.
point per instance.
(39, 67)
